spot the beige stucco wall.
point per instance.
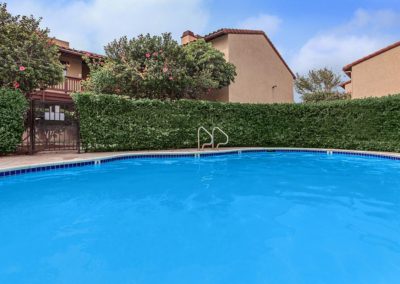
(221, 43)
(60, 42)
(258, 69)
(222, 95)
(187, 38)
(348, 88)
(378, 76)
(75, 65)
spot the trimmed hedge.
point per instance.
(111, 123)
(13, 106)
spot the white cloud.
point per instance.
(365, 33)
(270, 24)
(92, 24)
(333, 51)
(374, 20)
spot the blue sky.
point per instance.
(309, 34)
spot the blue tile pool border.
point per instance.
(102, 160)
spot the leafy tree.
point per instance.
(320, 85)
(158, 67)
(28, 59)
(102, 78)
(207, 68)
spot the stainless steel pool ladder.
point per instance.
(211, 143)
(226, 135)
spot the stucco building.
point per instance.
(263, 76)
(75, 70)
(375, 75)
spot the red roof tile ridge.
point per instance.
(345, 83)
(365, 58)
(80, 52)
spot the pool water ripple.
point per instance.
(250, 218)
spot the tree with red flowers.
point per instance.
(142, 67)
(28, 59)
(157, 67)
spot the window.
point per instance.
(54, 113)
(66, 66)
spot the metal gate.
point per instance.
(51, 126)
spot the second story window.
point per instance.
(66, 66)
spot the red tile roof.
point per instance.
(345, 83)
(348, 67)
(80, 52)
(226, 31)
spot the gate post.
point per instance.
(32, 127)
(78, 129)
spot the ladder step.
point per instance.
(212, 135)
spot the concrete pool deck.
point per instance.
(14, 162)
(44, 158)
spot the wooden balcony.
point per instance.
(60, 92)
(70, 85)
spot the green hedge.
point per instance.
(115, 123)
(13, 107)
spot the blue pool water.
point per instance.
(250, 218)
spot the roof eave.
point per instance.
(80, 53)
(345, 83)
(223, 32)
(348, 67)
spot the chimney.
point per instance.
(59, 42)
(187, 37)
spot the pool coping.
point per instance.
(39, 167)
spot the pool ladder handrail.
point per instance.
(211, 143)
(212, 134)
(226, 135)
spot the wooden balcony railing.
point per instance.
(69, 85)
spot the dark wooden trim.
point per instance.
(47, 95)
(69, 85)
(32, 127)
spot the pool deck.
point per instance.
(12, 162)
(49, 158)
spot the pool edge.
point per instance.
(12, 171)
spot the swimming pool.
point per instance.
(268, 217)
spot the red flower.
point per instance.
(16, 85)
(22, 68)
(165, 69)
(155, 54)
(148, 55)
(171, 78)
